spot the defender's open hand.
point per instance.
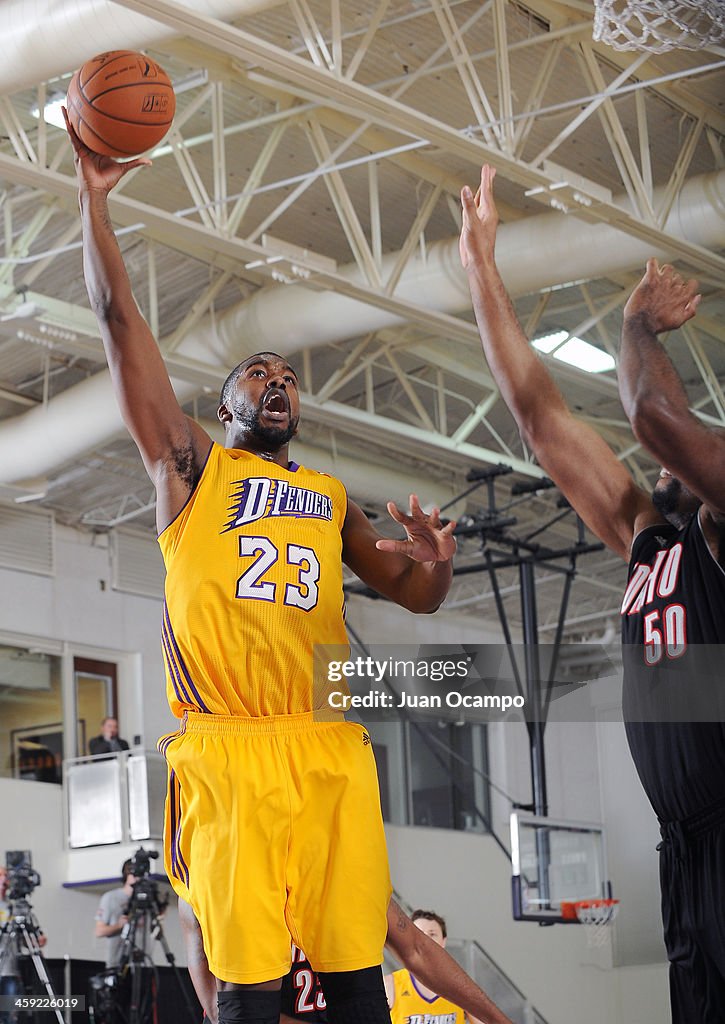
(664, 298)
(480, 221)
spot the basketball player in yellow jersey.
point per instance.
(410, 1001)
(273, 827)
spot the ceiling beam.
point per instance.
(233, 253)
(408, 438)
(318, 83)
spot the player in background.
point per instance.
(302, 996)
(409, 998)
(673, 613)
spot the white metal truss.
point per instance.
(307, 139)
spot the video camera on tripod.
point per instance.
(127, 992)
(22, 879)
(145, 892)
(21, 933)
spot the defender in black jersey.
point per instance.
(673, 613)
(302, 995)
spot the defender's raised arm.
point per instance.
(654, 397)
(581, 464)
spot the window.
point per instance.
(96, 698)
(430, 773)
(32, 742)
(31, 717)
(446, 791)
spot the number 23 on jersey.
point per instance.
(301, 591)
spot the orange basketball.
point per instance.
(120, 103)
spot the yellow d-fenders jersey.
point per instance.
(410, 1006)
(253, 580)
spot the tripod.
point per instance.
(144, 920)
(21, 931)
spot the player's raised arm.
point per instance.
(575, 457)
(437, 969)
(654, 397)
(416, 572)
(172, 446)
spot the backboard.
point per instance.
(555, 860)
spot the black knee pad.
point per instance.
(355, 997)
(249, 1006)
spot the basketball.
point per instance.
(120, 103)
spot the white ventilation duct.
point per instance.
(41, 39)
(369, 482)
(534, 253)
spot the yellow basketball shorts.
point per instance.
(273, 832)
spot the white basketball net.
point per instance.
(596, 917)
(659, 25)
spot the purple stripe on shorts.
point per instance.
(163, 744)
(180, 863)
(172, 814)
(179, 856)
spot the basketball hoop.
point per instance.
(659, 25)
(595, 915)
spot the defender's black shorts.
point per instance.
(692, 878)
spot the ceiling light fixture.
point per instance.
(574, 351)
(52, 114)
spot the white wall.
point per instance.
(32, 818)
(79, 606)
(590, 776)
(381, 622)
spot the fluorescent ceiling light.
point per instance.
(575, 351)
(52, 113)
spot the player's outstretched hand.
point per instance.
(427, 539)
(95, 171)
(664, 298)
(480, 221)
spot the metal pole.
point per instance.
(535, 723)
(533, 687)
(67, 984)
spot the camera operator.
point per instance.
(111, 916)
(10, 979)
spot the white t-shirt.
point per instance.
(112, 907)
(8, 946)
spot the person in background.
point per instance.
(409, 998)
(109, 742)
(111, 915)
